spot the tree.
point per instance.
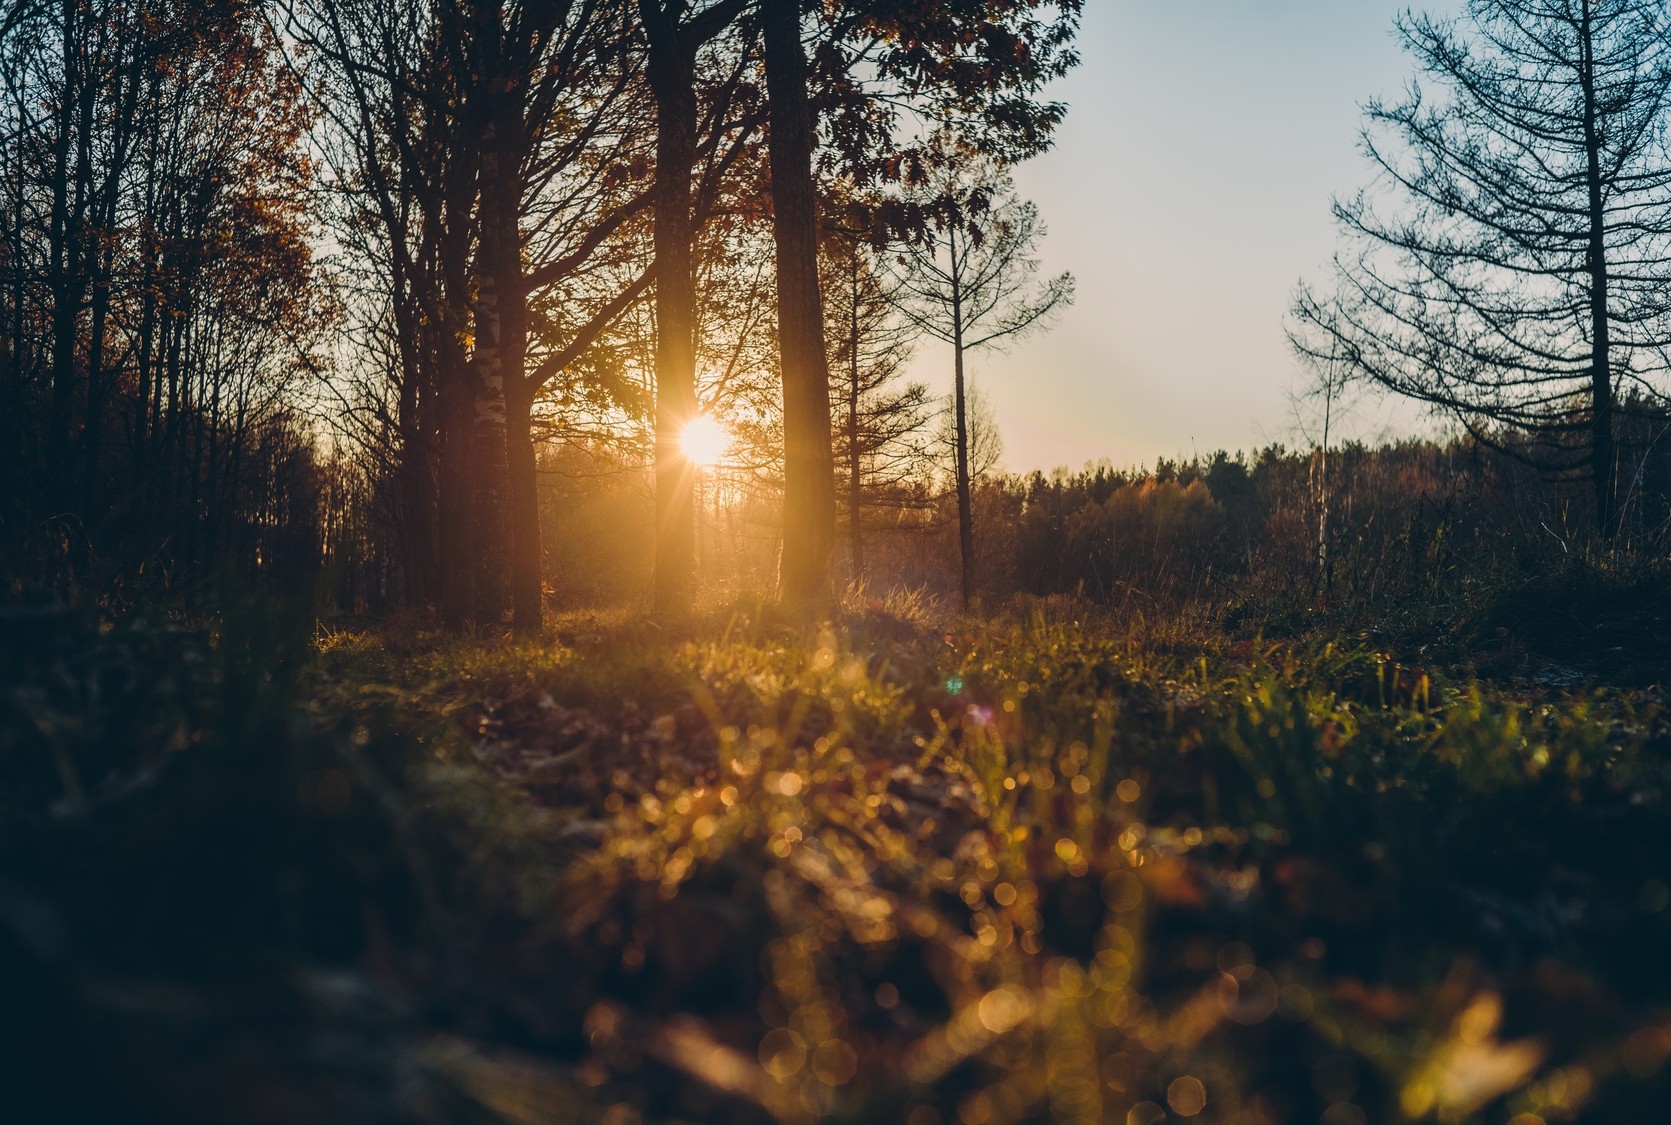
(969, 282)
(1523, 272)
(978, 63)
(676, 31)
(877, 422)
(1332, 378)
(161, 300)
(475, 136)
(985, 442)
(550, 211)
(405, 166)
(493, 154)
(808, 457)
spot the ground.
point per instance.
(900, 867)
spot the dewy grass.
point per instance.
(1027, 870)
(1044, 871)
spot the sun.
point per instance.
(704, 441)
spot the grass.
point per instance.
(1041, 868)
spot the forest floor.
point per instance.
(1048, 867)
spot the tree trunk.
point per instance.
(455, 492)
(98, 493)
(1325, 561)
(502, 206)
(672, 79)
(492, 464)
(1601, 375)
(418, 537)
(527, 586)
(63, 236)
(808, 459)
(965, 513)
(456, 486)
(855, 481)
(490, 461)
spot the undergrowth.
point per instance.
(1037, 869)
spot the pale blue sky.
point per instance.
(1188, 192)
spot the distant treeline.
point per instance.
(1364, 525)
(1266, 532)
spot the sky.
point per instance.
(1188, 193)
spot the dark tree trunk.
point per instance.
(527, 585)
(418, 535)
(808, 459)
(855, 479)
(965, 505)
(98, 491)
(960, 404)
(494, 311)
(63, 278)
(502, 235)
(456, 489)
(490, 462)
(672, 78)
(1601, 374)
(854, 450)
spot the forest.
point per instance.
(513, 610)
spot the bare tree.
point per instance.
(161, 301)
(970, 282)
(986, 442)
(1320, 404)
(491, 150)
(1520, 273)
(404, 165)
(877, 421)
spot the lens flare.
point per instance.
(704, 441)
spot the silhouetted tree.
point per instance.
(676, 32)
(808, 457)
(388, 80)
(1522, 267)
(160, 303)
(969, 282)
(978, 64)
(551, 214)
(877, 421)
(486, 207)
